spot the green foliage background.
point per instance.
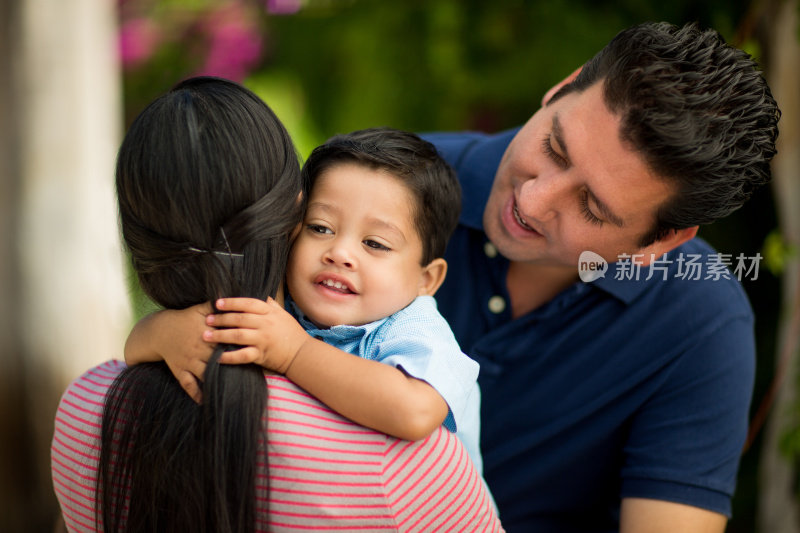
(339, 65)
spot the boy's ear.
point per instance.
(432, 277)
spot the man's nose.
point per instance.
(541, 197)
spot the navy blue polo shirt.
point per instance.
(622, 387)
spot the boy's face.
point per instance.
(357, 257)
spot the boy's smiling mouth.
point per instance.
(335, 283)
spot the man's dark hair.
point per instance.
(404, 155)
(697, 109)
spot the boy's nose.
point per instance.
(340, 256)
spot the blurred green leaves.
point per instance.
(777, 252)
(419, 65)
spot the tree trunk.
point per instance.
(778, 503)
(65, 306)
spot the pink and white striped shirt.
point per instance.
(325, 472)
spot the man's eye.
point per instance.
(587, 213)
(376, 245)
(547, 148)
(316, 228)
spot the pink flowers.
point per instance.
(234, 43)
(138, 39)
(283, 7)
(221, 38)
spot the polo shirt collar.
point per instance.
(481, 158)
(619, 283)
(625, 290)
(341, 332)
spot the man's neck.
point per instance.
(531, 285)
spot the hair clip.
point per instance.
(221, 254)
(227, 245)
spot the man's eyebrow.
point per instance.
(558, 137)
(605, 211)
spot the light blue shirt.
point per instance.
(418, 340)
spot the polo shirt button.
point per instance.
(490, 250)
(497, 304)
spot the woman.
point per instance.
(209, 192)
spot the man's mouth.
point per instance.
(520, 221)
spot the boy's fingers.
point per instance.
(243, 337)
(235, 320)
(189, 383)
(272, 303)
(198, 369)
(239, 357)
(242, 305)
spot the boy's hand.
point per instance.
(269, 336)
(174, 336)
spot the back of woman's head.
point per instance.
(209, 191)
(207, 168)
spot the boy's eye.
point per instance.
(375, 245)
(316, 228)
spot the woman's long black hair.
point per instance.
(209, 191)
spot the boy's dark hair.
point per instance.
(206, 171)
(415, 162)
(696, 108)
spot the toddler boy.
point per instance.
(361, 277)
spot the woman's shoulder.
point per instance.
(433, 485)
(292, 409)
(423, 485)
(86, 393)
(320, 461)
(102, 375)
(80, 410)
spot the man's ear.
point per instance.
(553, 90)
(432, 277)
(672, 240)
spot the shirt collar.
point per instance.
(626, 285)
(480, 159)
(621, 288)
(340, 331)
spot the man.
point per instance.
(619, 403)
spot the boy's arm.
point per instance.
(370, 393)
(175, 337)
